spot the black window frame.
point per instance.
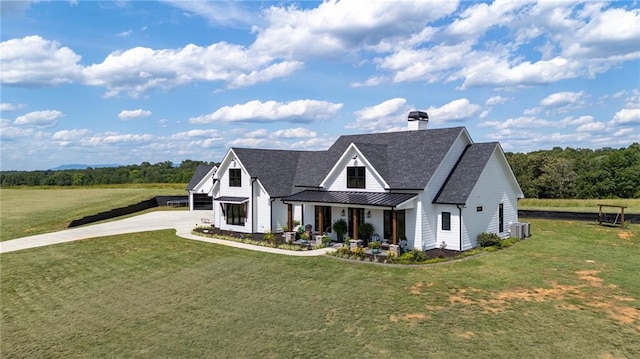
(387, 225)
(236, 214)
(445, 219)
(235, 177)
(356, 177)
(326, 218)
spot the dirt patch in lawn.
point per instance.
(625, 235)
(590, 294)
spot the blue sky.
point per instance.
(130, 81)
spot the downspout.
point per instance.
(253, 180)
(460, 223)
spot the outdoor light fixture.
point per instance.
(342, 213)
(368, 214)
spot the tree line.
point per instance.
(555, 173)
(578, 173)
(161, 172)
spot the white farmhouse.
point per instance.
(426, 186)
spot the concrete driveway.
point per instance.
(182, 221)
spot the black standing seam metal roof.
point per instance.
(198, 175)
(465, 174)
(406, 160)
(230, 199)
(378, 199)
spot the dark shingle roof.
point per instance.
(411, 158)
(275, 169)
(465, 174)
(406, 160)
(382, 199)
(198, 175)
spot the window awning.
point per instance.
(229, 199)
(377, 199)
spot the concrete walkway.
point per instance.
(182, 221)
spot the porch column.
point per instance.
(320, 220)
(394, 226)
(290, 217)
(354, 220)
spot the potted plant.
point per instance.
(341, 227)
(366, 229)
(375, 247)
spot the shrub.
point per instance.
(341, 227)
(413, 256)
(325, 241)
(507, 242)
(488, 239)
(343, 252)
(366, 229)
(270, 238)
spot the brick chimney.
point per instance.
(418, 120)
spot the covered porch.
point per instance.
(385, 211)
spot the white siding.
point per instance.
(429, 213)
(262, 209)
(492, 188)
(450, 237)
(279, 212)
(338, 180)
(243, 191)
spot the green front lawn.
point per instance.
(571, 291)
(27, 211)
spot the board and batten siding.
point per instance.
(243, 191)
(493, 187)
(262, 209)
(338, 180)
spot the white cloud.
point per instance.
(113, 138)
(563, 99)
(495, 100)
(381, 117)
(70, 135)
(298, 132)
(476, 19)
(217, 12)
(609, 33)
(457, 110)
(141, 69)
(259, 133)
(338, 27)
(592, 127)
(272, 111)
(627, 116)
(197, 133)
(6, 107)
(44, 118)
(126, 115)
(125, 33)
(35, 62)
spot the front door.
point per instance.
(359, 213)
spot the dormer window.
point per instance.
(235, 177)
(356, 177)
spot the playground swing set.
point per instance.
(606, 218)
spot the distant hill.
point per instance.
(82, 167)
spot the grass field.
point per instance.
(26, 211)
(578, 205)
(571, 291)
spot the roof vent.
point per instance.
(418, 120)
